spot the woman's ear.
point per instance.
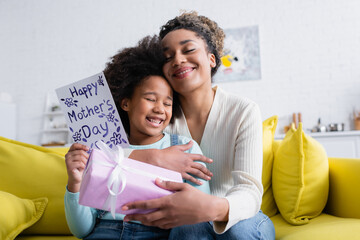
(212, 59)
(125, 104)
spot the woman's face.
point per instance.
(149, 110)
(188, 62)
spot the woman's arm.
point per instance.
(176, 210)
(202, 206)
(241, 201)
(245, 195)
(175, 158)
(195, 149)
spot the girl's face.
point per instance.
(188, 62)
(149, 110)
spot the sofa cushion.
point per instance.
(30, 171)
(323, 227)
(46, 237)
(268, 205)
(300, 177)
(17, 214)
(344, 194)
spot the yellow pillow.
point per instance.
(61, 150)
(30, 172)
(300, 177)
(268, 205)
(17, 214)
(276, 145)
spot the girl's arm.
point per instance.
(80, 219)
(76, 160)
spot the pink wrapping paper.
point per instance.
(94, 191)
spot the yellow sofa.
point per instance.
(341, 217)
(34, 178)
(307, 194)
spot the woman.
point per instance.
(228, 129)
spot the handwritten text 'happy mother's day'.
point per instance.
(91, 112)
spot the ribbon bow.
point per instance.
(116, 177)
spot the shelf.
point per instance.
(326, 134)
(57, 113)
(335, 134)
(56, 130)
(342, 144)
(59, 144)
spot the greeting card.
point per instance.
(91, 113)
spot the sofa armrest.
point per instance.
(344, 192)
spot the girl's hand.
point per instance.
(187, 205)
(76, 160)
(175, 158)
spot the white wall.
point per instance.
(310, 50)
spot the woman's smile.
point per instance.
(183, 72)
(188, 60)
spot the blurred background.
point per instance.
(309, 54)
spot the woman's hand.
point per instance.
(175, 158)
(76, 160)
(187, 205)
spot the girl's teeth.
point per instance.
(155, 121)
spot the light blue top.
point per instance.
(81, 219)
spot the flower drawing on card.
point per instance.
(77, 137)
(116, 139)
(100, 81)
(69, 102)
(111, 117)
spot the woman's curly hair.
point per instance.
(205, 28)
(129, 67)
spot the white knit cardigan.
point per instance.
(233, 139)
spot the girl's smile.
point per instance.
(154, 121)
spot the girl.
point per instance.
(145, 101)
(228, 129)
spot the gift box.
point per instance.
(110, 181)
